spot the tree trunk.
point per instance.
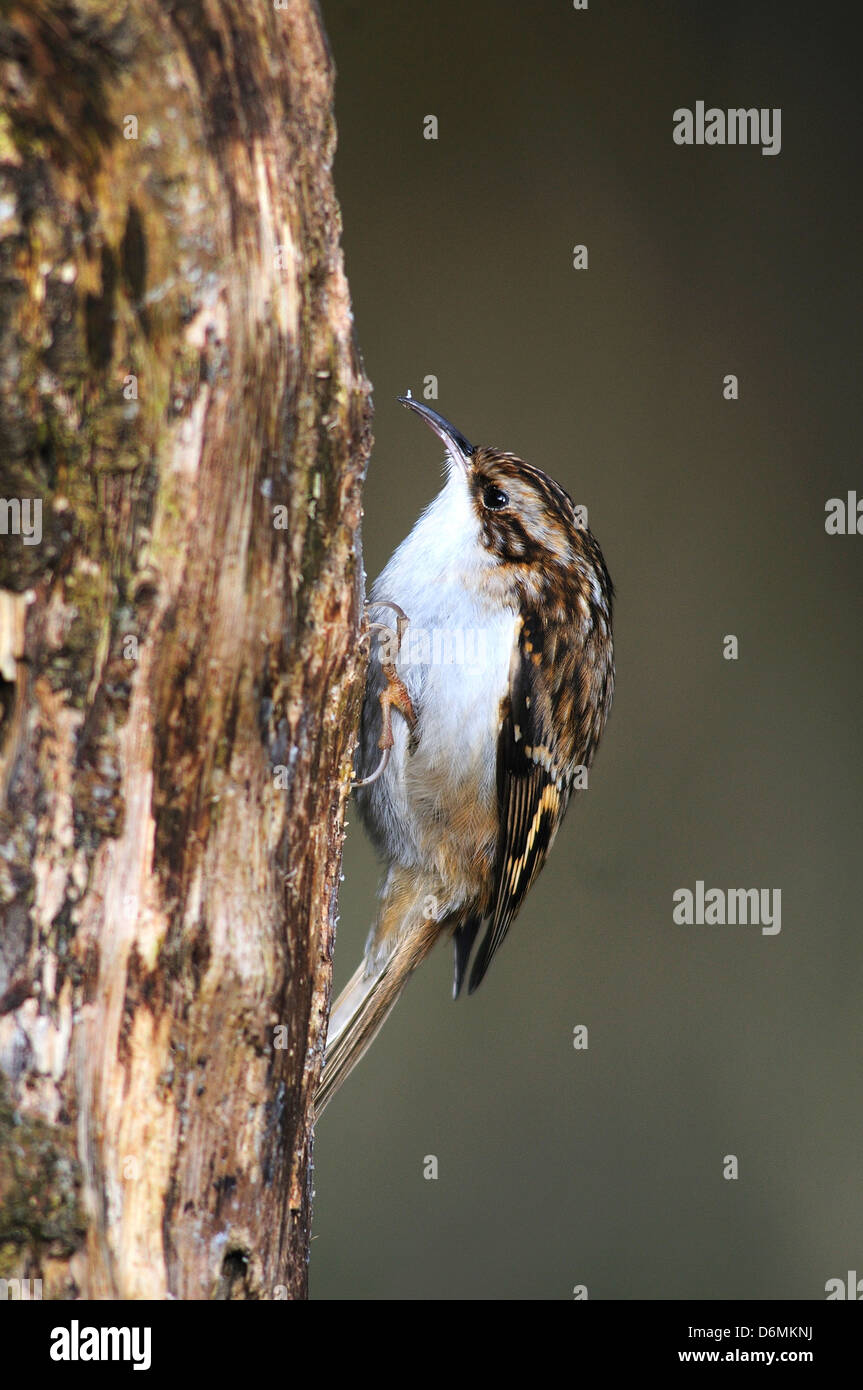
(179, 666)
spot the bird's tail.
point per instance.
(403, 936)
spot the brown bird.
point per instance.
(485, 702)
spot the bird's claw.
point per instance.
(393, 696)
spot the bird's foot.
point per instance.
(393, 696)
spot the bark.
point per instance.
(179, 664)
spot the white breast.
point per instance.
(438, 802)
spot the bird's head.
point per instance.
(526, 522)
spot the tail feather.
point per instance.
(367, 1000)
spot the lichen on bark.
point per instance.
(41, 1222)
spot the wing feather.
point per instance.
(534, 781)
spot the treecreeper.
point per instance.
(488, 689)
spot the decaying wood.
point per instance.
(179, 656)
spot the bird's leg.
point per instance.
(393, 696)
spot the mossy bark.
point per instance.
(179, 660)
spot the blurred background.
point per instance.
(604, 1167)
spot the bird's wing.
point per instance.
(534, 776)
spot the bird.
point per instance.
(486, 698)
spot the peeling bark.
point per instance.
(179, 664)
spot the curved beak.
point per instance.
(457, 447)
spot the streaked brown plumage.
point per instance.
(467, 804)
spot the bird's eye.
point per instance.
(494, 498)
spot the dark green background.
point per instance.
(605, 1167)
